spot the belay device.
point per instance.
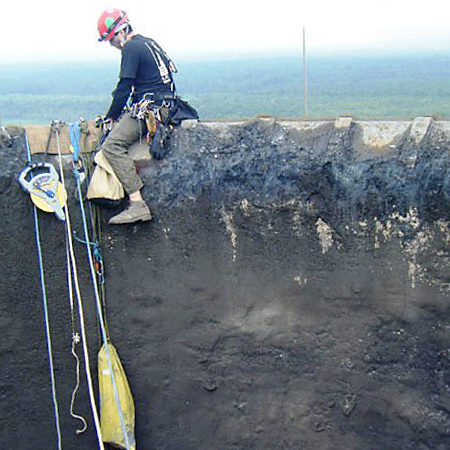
(42, 182)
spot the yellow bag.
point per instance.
(104, 187)
(110, 423)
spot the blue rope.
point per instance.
(96, 294)
(100, 316)
(75, 143)
(47, 327)
(75, 137)
(46, 315)
(82, 241)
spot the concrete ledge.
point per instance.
(5, 137)
(380, 135)
(370, 135)
(419, 129)
(343, 123)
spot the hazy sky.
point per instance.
(48, 29)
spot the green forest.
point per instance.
(394, 86)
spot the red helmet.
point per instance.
(110, 22)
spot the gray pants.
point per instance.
(115, 148)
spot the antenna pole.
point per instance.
(305, 77)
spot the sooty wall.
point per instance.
(290, 293)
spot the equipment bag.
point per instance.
(179, 110)
(110, 421)
(182, 110)
(105, 189)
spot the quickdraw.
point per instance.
(98, 263)
(147, 109)
(96, 253)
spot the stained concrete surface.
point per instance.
(291, 293)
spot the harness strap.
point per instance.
(165, 65)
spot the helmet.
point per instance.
(110, 22)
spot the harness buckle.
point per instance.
(149, 96)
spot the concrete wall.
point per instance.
(292, 292)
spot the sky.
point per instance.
(50, 30)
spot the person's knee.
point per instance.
(116, 144)
(114, 149)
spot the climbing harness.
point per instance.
(163, 109)
(45, 305)
(127, 433)
(151, 110)
(156, 110)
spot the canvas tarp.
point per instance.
(38, 138)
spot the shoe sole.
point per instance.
(145, 218)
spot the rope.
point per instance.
(85, 161)
(75, 340)
(99, 311)
(80, 307)
(94, 218)
(81, 241)
(46, 316)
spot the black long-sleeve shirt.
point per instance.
(120, 97)
(138, 69)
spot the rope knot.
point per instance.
(76, 338)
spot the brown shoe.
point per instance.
(136, 211)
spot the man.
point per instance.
(145, 73)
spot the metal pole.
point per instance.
(305, 77)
